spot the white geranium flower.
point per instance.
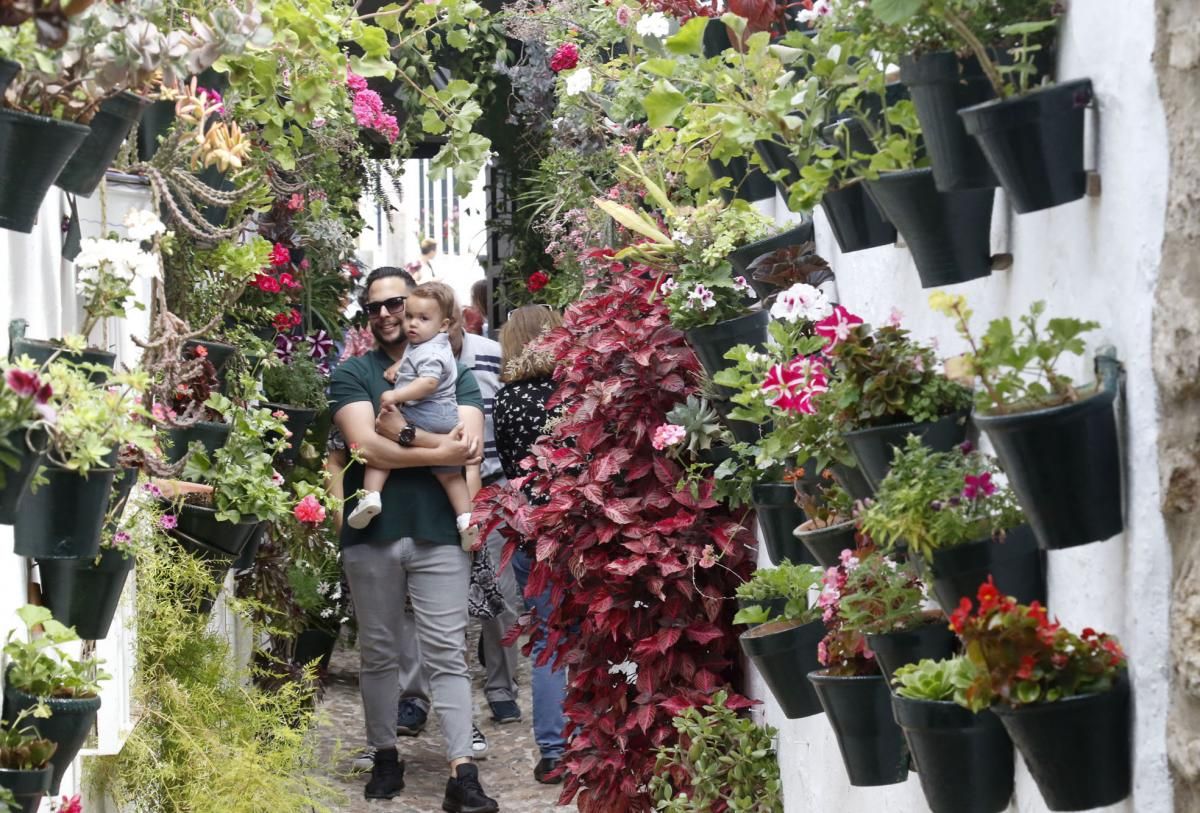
(801, 301)
(143, 225)
(579, 81)
(654, 25)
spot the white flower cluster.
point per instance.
(801, 302)
(579, 81)
(654, 25)
(740, 284)
(701, 298)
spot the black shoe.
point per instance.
(547, 771)
(464, 794)
(505, 711)
(387, 777)
(410, 718)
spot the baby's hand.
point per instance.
(390, 398)
(390, 373)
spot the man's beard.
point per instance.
(383, 344)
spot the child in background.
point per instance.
(424, 393)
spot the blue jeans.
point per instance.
(549, 685)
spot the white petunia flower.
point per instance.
(143, 224)
(654, 25)
(579, 81)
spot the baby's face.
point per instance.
(423, 319)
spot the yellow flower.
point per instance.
(949, 304)
(224, 147)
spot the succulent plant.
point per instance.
(700, 421)
(21, 749)
(934, 680)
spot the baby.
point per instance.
(424, 392)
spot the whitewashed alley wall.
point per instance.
(1097, 259)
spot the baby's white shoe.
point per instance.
(367, 509)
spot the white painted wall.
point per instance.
(1096, 259)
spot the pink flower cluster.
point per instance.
(309, 511)
(565, 57)
(367, 107)
(667, 435)
(792, 386)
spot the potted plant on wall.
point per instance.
(953, 510)
(24, 401)
(65, 692)
(295, 391)
(316, 582)
(884, 600)
(92, 424)
(964, 759)
(1056, 441)
(853, 691)
(787, 642)
(25, 771)
(769, 592)
(685, 781)
(830, 527)
(1063, 698)
(887, 386)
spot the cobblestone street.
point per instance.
(506, 773)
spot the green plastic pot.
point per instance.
(33, 151)
(64, 518)
(109, 129)
(84, 593)
(69, 723)
(27, 786)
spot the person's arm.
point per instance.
(471, 419)
(416, 390)
(357, 422)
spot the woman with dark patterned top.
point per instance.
(520, 418)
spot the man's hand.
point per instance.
(465, 448)
(390, 421)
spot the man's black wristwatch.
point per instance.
(407, 435)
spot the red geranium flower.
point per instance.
(565, 57)
(280, 255)
(537, 281)
(288, 280)
(22, 383)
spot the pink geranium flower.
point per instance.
(837, 326)
(355, 82)
(309, 511)
(667, 435)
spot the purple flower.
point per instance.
(977, 486)
(966, 447)
(120, 538)
(284, 345)
(168, 522)
(322, 345)
(152, 490)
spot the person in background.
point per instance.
(476, 312)
(520, 417)
(482, 357)
(424, 271)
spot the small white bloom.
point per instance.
(682, 238)
(143, 224)
(654, 25)
(327, 612)
(579, 81)
(740, 284)
(754, 357)
(801, 301)
(702, 297)
(668, 286)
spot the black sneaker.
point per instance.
(547, 771)
(464, 794)
(364, 760)
(505, 711)
(410, 718)
(387, 777)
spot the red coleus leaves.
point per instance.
(618, 544)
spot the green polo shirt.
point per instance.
(414, 502)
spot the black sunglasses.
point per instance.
(393, 305)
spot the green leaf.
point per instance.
(895, 12)
(663, 104)
(660, 67)
(432, 123)
(690, 39)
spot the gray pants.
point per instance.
(437, 577)
(501, 660)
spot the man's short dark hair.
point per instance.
(383, 272)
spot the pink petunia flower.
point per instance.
(976, 486)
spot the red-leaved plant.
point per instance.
(638, 567)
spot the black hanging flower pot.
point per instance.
(43, 351)
(798, 235)
(1034, 143)
(934, 641)
(782, 651)
(16, 481)
(775, 607)
(314, 644)
(716, 38)
(778, 517)
(965, 760)
(712, 342)
(875, 446)
(64, 518)
(1016, 564)
(84, 593)
(853, 480)
(948, 233)
(860, 710)
(745, 181)
(155, 122)
(778, 158)
(71, 720)
(1064, 464)
(827, 544)
(941, 84)
(855, 219)
(198, 530)
(109, 129)
(33, 150)
(297, 420)
(28, 787)
(8, 69)
(218, 353)
(1078, 749)
(249, 553)
(212, 435)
